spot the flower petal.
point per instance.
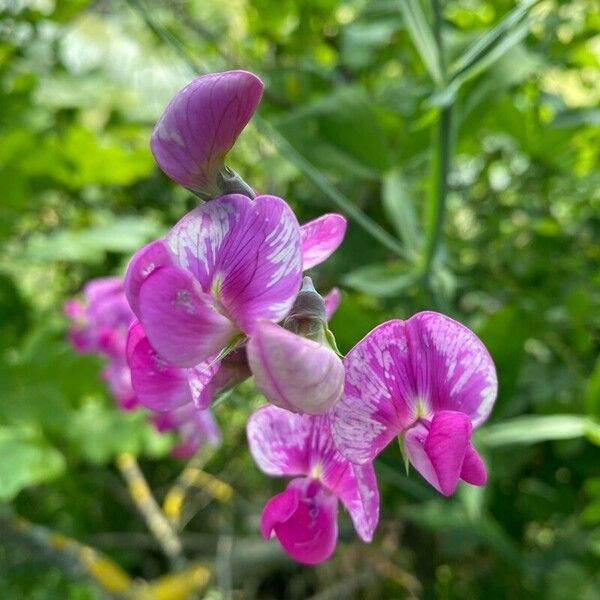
(279, 441)
(332, 301)
(293, 372)
(309, 533)
(278, 510)
(358, 491)
(373, 409)
(473, 469)
(158, 385)
(180, 321)
(201, 124)
(245, 253)
(116, 374)
(438, 450)
(405, 370)
(458, 373)
(144, 262)
(321, 238)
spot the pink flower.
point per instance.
(194, 428)
(226, 265)
(296, 368)
(163, 387)
(100, 322)
(304, 516)
(429, 380)
(199, 127)
(320, 238)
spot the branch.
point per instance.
(148, 507)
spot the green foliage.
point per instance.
(349, 122)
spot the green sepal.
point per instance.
(404, 453)
(331, 339)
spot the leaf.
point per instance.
(422, 37)
(26, 459)
(124, 235)
(480, 49)
(381, 280)
(592, 392)
(531, 429)
(400, 210)
(576, 117)
(101, 432)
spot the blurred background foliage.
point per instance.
(355, 93)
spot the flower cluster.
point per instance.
(222, 297)
(100, 324)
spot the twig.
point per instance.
(148, 507)
(78, 559)
(193, 476)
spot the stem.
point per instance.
(148, 507)
(76, 558)
(441, 161)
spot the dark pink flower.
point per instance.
(304, 516)
(225, 266)
(163, 387)
(200, 125)
(429, 380)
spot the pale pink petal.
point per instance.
(460, 374)
(158, 385)
(279, 441)
(332, 301)
(201, 124)
(245, 253)
(181, 321)
(473, 469)
(117, 376)
(309, 533)
(379, 394)
(321, 238)
(360, 495)
(144, 262)
(293, 372)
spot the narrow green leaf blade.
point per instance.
(422, 37)
(531, 429)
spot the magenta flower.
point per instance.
(163, 387)
(225, 266)
(429, 380)
(304, 516)
(199, 127)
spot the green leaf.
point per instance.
(381, 280)
(400, 210)
(491, 40)
(124, 236)
(26, 459)
(592, 392)
(101, 432)
(577, 117)
(531, 429)
(422, 37)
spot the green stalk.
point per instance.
(441, 161)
